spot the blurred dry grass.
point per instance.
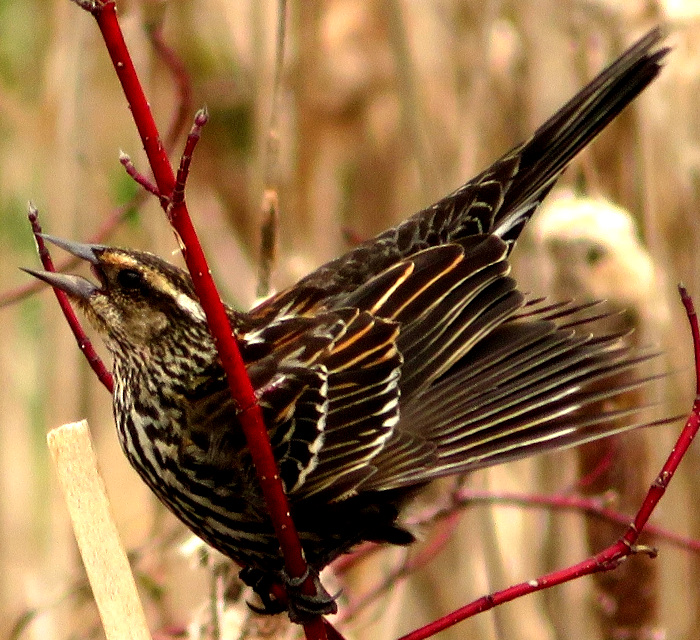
(385, 107)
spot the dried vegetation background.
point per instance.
(385, 106)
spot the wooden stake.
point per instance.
(100, 547)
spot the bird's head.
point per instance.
(139, 298)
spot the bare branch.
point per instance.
(270, 200)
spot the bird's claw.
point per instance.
(301, 607)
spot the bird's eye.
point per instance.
(129, 279)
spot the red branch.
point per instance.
(182, 81)
(440, 537)
(250, 415)
(462, 498)
(138, 178)
(184, 89)
(614, 554)
(83, 341)
(178, 196)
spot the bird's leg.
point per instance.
(301, 607)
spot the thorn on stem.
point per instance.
(661, 481)
(83, 341)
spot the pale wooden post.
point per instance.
(98, 540)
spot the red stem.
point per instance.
(136, 176)
(81, 338)
(592, 507)
(614, 554)
(107, 227)
(183, 172)
(250, 415)
(440, 537)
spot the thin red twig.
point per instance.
(612, 556)
(345, 563)
(411, 563)
(83, 341)
(592, 507)
(136, 176)
(201, 118)
(182, 81)
(250, 415)
(463, 498)
(17, 294)
(184, 85)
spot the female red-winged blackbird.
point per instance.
(412, 357)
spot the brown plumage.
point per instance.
(412, 357)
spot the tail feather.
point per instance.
(498, 201)
(547, 153)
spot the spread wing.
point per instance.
(448, 368)
(436, 366)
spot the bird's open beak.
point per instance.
(74, 286)
(89, 252)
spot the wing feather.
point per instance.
(518, 393)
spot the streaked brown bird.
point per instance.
(412, 357)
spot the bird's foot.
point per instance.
(301, 607)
